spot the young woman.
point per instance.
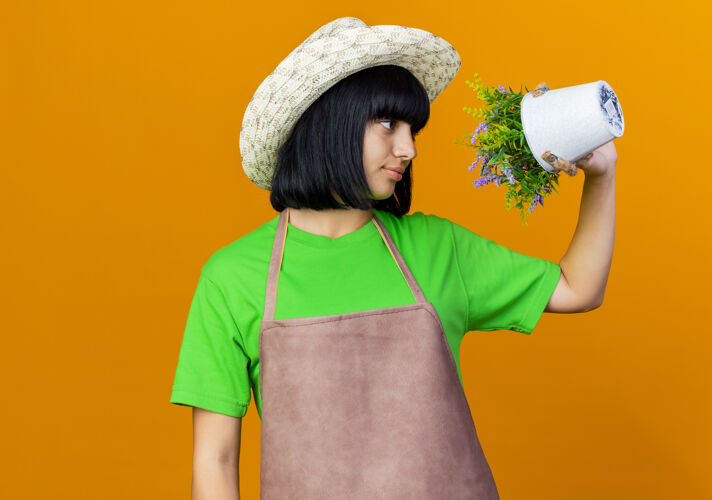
(354, 364)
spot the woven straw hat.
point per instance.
(333, 52)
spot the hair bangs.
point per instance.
(397, 94)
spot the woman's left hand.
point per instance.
(600, 161)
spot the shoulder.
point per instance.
(434, 228)
(415, 224)
(420, 236)
(245, 256)
(433, 231)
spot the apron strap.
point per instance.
(275, 263)
(404, 269)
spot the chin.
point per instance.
(381, 197)
(381, 190)
(382, 194)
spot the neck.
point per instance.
(331, 223)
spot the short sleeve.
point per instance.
(212, 371)
(506, 290)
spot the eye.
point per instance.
(391, 124)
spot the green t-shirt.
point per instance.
(473, 283)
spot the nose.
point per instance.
(404, 146)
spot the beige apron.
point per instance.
(364, 405)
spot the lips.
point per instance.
(395, 173)
(400, 170)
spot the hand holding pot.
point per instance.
(573, 127)
(600, 161)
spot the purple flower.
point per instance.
(482, 127)
(502, 89)
(508, 173)
(484, 180)
(472, 166)
(536, 199)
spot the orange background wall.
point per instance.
(121, 175)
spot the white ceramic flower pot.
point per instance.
(571, 121)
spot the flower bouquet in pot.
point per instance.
(525, 139)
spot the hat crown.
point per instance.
(334, 51)
(334, 27)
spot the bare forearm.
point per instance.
(587, 261)
(215, 482)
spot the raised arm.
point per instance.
(216, 454)
(587, 262)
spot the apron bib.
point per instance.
(364, 405)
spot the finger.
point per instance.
(540, 89)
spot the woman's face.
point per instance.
(388, 147)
